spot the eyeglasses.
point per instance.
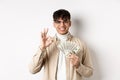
(64, 21)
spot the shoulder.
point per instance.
(79, 41)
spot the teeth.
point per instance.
(62, 28)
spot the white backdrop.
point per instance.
(94, 21)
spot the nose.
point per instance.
(62, 24)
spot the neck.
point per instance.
(63, 37)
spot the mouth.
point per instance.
(62, 29)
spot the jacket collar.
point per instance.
(69, 37)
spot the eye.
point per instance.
(58, 22)
(66, 21)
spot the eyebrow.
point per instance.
(63, 20)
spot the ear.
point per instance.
(70, 23)
(54, 24)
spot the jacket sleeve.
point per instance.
(38, 61)
(86, 67)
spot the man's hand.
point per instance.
(45, 40)
(74, 59)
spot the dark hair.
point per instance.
(61, 13)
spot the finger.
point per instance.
(46, 30)
(50, 40)
(74, 57)
(71, 57)
(42, 35)
(72, 61)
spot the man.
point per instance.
(59, 63)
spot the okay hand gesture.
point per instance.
(45, 40)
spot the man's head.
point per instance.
(62, 21)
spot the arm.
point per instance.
(38, 61)
(86, 67)
(39, 58)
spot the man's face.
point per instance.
(62, 26)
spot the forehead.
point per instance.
(62, 19)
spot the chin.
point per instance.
(62, 33)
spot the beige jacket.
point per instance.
(49, 58)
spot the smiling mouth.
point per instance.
(62, 29)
